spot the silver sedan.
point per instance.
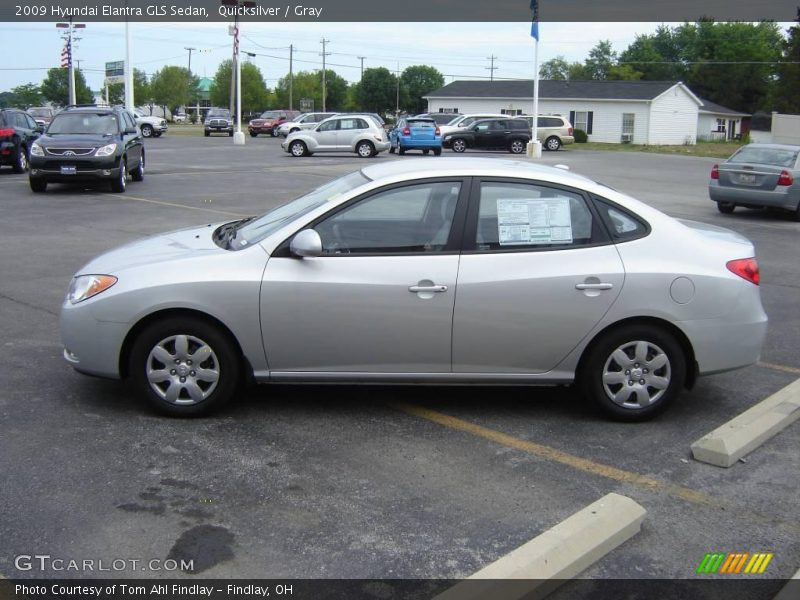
(458, 270)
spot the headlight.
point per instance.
(84, 287)
(106, 150)
(37, 150)
(447, 138)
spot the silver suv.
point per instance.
(359, 133)
(552, 130)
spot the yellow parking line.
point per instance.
(582, 464)
(175, 205)
(783, 368)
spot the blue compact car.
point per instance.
(416, 133)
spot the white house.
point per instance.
(640, 112)
(716, 122)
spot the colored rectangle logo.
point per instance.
(734, 563)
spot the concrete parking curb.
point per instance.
(537, 567)
(741, 435)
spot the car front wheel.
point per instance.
(633, 373)
(118, 185)
(147, 130)
(298, 149)
(459, 146)
(184, 367)
(517, 147)
(137, 174)
(38, 185)
(552, 143)
(21, 161)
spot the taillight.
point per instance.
(570, 131)
(746, 268)
(6, 132)
(715, 172)
(437, 132)
(406, 131)
(784, 179)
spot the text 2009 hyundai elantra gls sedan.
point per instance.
(427, 271)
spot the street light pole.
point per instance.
(237, 5)
(190, 49)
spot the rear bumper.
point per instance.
(408, 144)
(8, 153)
(785, 197)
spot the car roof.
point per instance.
(469, 166)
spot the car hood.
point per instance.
(174, 245)
(69, 140)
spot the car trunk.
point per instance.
(422, 131)
(749, 176)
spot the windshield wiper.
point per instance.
(227, 233)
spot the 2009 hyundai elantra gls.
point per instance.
(456, 270)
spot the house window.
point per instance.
(721, 125)
(511, 111)
(627, 126)
(582, 120)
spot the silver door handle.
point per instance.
(427, 288)
(594, 286)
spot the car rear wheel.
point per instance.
(426, 151)
(118, 185)
(21, 160)
(366, 149)
(516, 147)
(552, 143)
(38, 185)
(184, 367)
(274, 132)
(437, 152)
(633, 373)
(391, 149)
(137, 174)
(230, 133)
(207, 133)
(298, 149)
(726, 207)
(459, 146)
(147, 130)
(400, 150)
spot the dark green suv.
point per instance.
(86, 143)
(18, 130)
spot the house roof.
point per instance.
(718, 109)
(548, 88)
(204, 84)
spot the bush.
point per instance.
(193, 118)
(580, 136)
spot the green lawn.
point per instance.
(710, 149)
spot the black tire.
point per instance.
(633, 392)
(230, 133)
(391, 149)
(162, 338)
(147, 130)
(137, 174)
(795, 214)
(400, 150)
(253, 134)
(552, 143)
(39, 186)
(516, 147)
(20, 160)
(365, 149)
(206, 133)
(274, 132)
(426, 151)
(726, 208)
(298, 149)
(437, 152)
(119, 184)
(459, 146)
(158, 134)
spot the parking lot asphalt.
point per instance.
(359, 481)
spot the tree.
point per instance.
(254, 89)
(556, 68)
(578, 71)
(377, 91)
(172, 87)
(25, 96)
(601, 59)
(623, 72)
(787, 88)
(54, 87)
(308, 84)
(415, 82)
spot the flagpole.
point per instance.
(535, 146)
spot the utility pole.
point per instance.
(66, 56)
(231, 107)
(397, 95)
(236, 6)
(291, 77)
(361, 58)
(190, 49)
(324, 54)
(491, 69)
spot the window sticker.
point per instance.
(533, 221)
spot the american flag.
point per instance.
(66, 55)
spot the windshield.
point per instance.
(39, 112)
(92, 123)
(225, 114)
(271, 114)
(782, 157)
(457, 120)
(256, 230)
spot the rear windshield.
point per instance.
(423, 123)
(91, 123)
(271, 114)
(781, 157)
(39, 112)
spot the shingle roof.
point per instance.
(711, 107)
(588, 89)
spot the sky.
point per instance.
(457, 50)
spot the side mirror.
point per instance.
(307, 243)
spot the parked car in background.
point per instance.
(304, 121)
(457, 270)
(490, 134)
(180, 117)
(150, 126)
(270, 120)
(466, 120)
(42, 115)
(758, 176)
(416, 133)
(553, 131)
(218, 120)
(88, 143)
(441, 118)
(18, 130)
(358, 133)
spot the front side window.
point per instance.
(328, 126)
(527, 216)
(409, 219)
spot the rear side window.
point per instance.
(549, 122)
(518, 125)
(621, 224)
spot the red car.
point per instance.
(269, 121)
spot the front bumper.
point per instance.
(91, 346)
(86, 169)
